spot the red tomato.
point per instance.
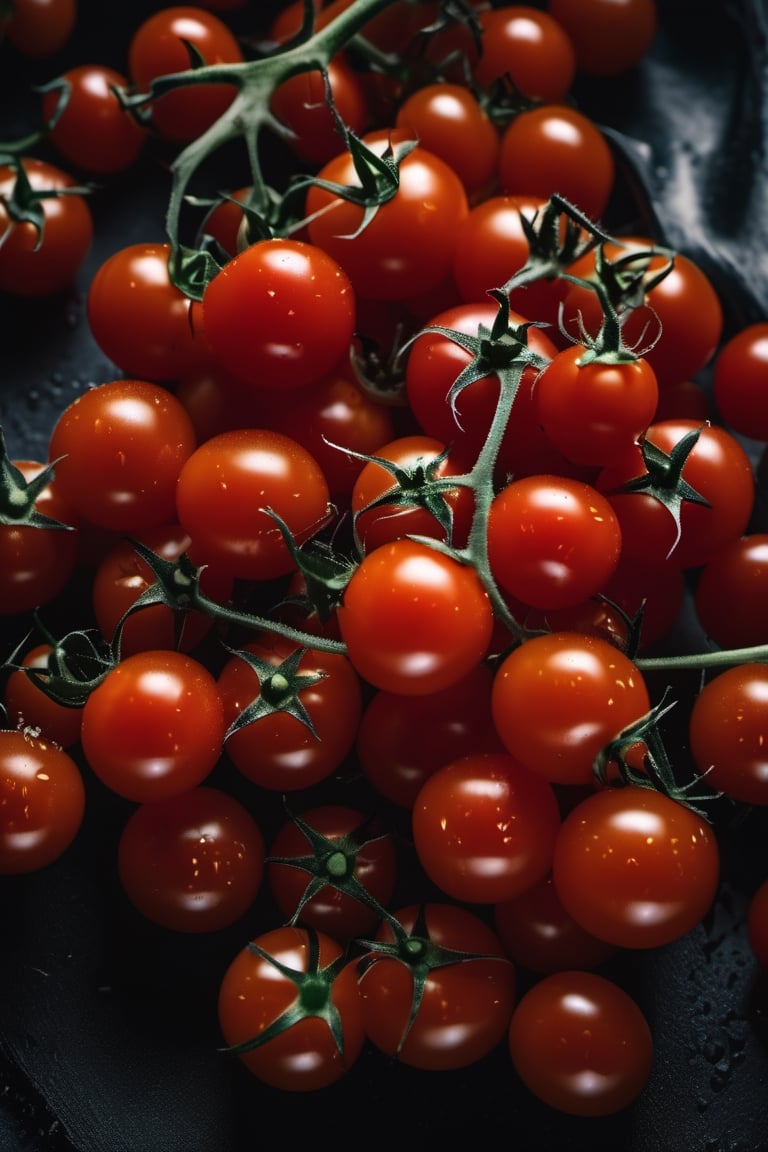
(277, 749)
(225, 487)
(407, 248)
(154, 726)
(581, 1044)
(608, 38)
(293, 968)
(730, 594)
(558, 699)
(636, 868)
(465, 1008)
(413, 619)
(484, 828)
(119, 449)
(727, 726)
(42, 802)
(192, 862)
(738, 381)
(94, 131)
(304, 306)
(757, 924)
(29, 707)
(301, 104)
(41, 28)
(158, 48)
(42, 261)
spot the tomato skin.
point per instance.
(531, 46)
(119, 449)
(193, 862)
(727, 727)
(157, 48)
(730, 593)
(301, 104)
(757, 924)
(154, 727)
(559, 698)
(253, 994)
(28, 706)
(608, 38)
(466, 1007)
(94, 132)
(414, 620)
(407, 248)
(581, 1044)
(484, 828)
(305, 306)
(27, 267)
(738, 381)
(553, 541)
(41, 28)
(42, 802)
(636, 868)
(224, 487)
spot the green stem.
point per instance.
(720, 659)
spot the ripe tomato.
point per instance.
(41, 28)
(636, 868)
(94, 132)
(301, 104)
(157, 48)
(558, 699)
(29, 707)
(407, 248)
(484, 828)
(225, 487)
(154, 726)
(304, 306)
(293, 970)
(192, 862)
(727, 727)
(757, 924)
(581, 1044)
(414, 620)
(42, 802)
(466, 1005)
(738, 381)
(42, 261)
(119, 449)
(608, 38)
(730, 593)
(280, 682)
(552, 541)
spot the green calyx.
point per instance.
(280, 688)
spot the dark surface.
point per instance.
(108, 1039)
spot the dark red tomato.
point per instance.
(158, 48)
(757, 924)
(403, 740)
(731, 594)
(552, 541)
(225, 487)
(484, 828)
(193, 862)
(717, 468)
(389, 521)
(297, 609)
(538, 934)
(318, 987)
(119, 449)
(154, 727)
(42, 802)
(448, 120)
(301, 104)
(608, 38)
(681, 313)
(123, 576)
(42, 262)
(414, 620)
(727, 728)
(36, 563)
(29, 707)
(592, 409)
(94, 132)
(556, 148)
(581, 1044)
(558, 699)
(344, 847)
(281, 314)
(407, 248)
(738, 381)
(41, 28)
(636, 868)
(465, 1009)
(216, 402)
(140, 320)
(684, 400)
(225, 221)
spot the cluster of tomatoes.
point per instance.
(402, 480)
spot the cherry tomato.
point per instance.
(581, 1044)
(41, 28)
(727, 727)
(730, 593)
(301, 104)
(29, 707)
(738, 381)
(42, 802)
(94, 132)
(414, 620)
(636, 868)
(608, 38)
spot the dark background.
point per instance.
(108, 1038)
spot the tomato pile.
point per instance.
(400, 592)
